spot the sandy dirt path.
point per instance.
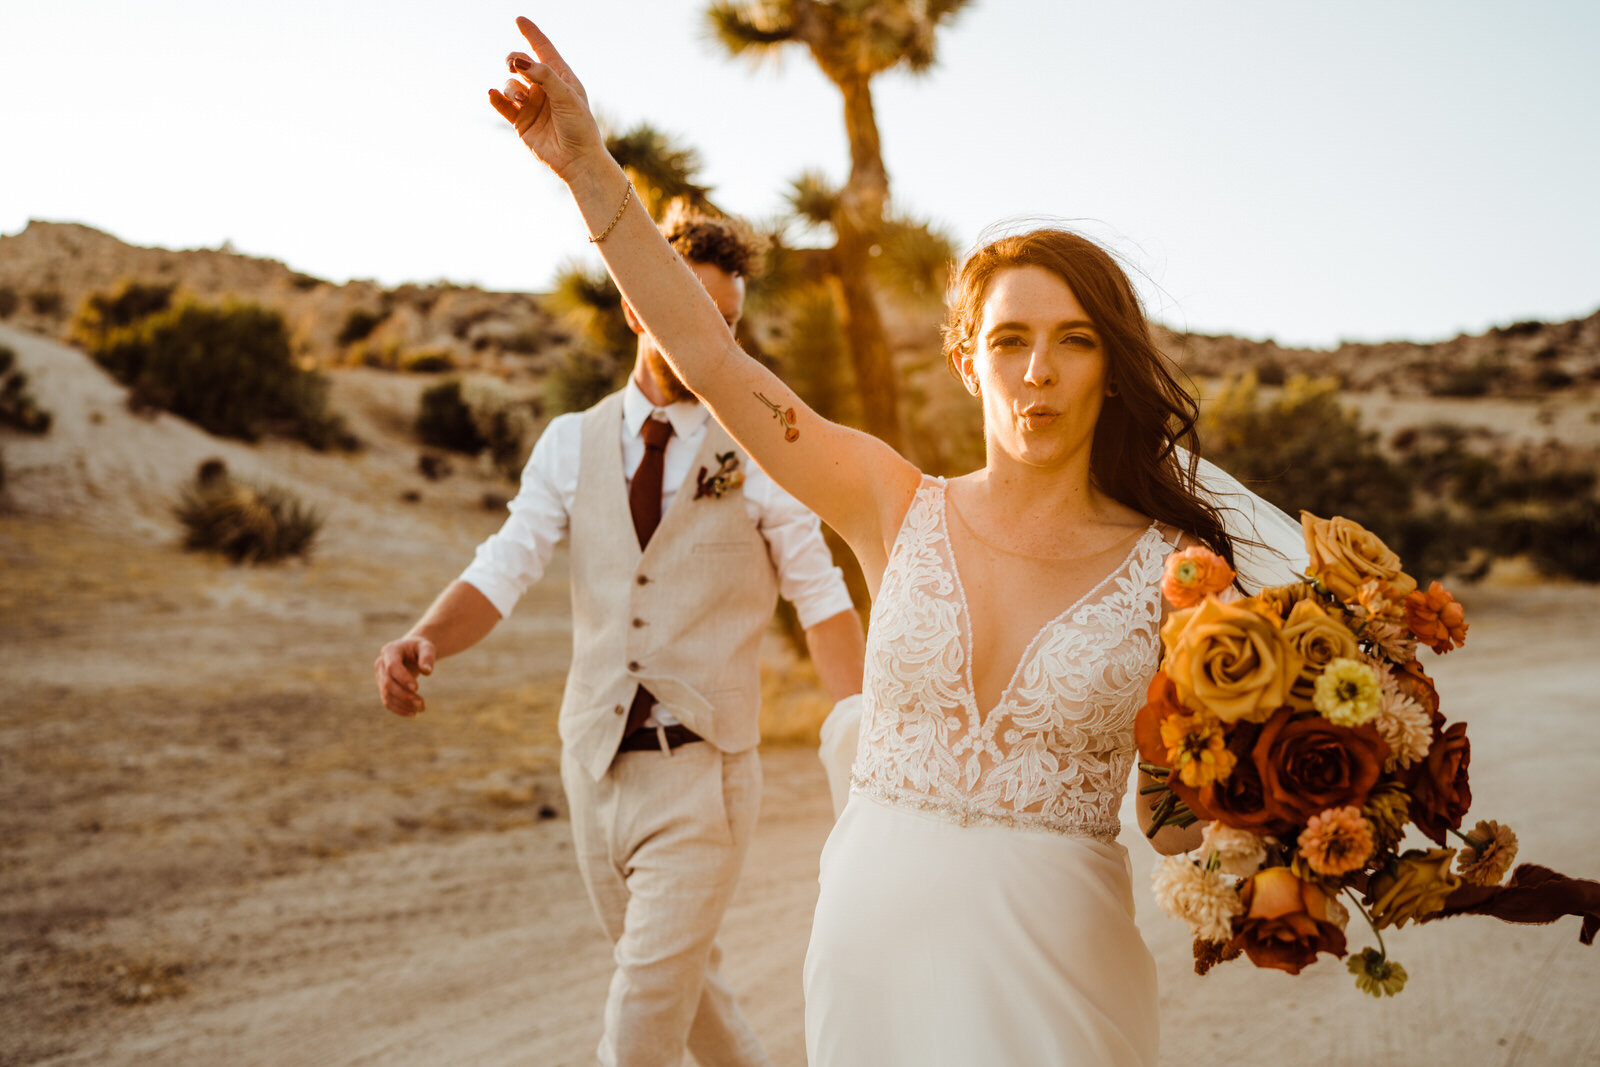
(216, 849)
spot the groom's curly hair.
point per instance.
(1135, 456)
(724, 242)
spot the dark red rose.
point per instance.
(1308, 765)
(1239, 800)
(1285, 922)
(1440, 793)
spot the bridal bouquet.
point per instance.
(1300, 727)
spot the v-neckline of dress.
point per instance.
(982, 719)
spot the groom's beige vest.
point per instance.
(683, 618)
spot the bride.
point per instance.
(974, 907)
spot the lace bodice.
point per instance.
(1056, 751)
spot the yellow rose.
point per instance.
(1230, 660)
(1418, 886)
(1345, 555)
(1320, 639)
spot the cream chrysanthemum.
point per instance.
(1493, 851)
(1347, 693)
(1239, 852)
(1206, 900)
(1391, 638)
(1401, 722)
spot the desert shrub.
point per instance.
(358, 326)
(303, 282)
(129, 301)
(582, 377)
(227, 369)
(476, 417)
(1563, 540)
(244, 522)
(9, 301)
(45, 302)
(428, 361)
(1269, 371)
(1304, 449)
(1552, 378)
(445, 421)
(18, 409)
(1471, 381)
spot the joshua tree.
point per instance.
(852, 41)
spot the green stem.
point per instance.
(1477, 846)
(1351, 893)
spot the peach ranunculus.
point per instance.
(1285, 921)
(1320, 639)
(1192, 573)
(1416, 886)
(1345, 555)
(1229, 660)
(1437, 618)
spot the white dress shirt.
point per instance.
(515, 557)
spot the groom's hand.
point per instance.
(397, 669)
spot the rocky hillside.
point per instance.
(47, 268)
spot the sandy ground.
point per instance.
(216, 848)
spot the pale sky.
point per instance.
(1304, 171)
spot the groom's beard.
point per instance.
(661, 372)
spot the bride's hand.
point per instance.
(547, 105)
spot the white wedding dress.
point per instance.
(975, 906)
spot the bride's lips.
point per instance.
(1037, 416)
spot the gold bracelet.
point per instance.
(628, 194)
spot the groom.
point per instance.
(679, 547)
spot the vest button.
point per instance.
(633, 665)
(637, 623)
(618, 710)
(642, 580)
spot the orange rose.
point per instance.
(1193, 573)
(1229, 660)
(1345, 555)
(1285, 922)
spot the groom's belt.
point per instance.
(651, 737)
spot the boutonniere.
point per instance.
(728, 476)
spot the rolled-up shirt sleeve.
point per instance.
(515, 557)
(807, 577)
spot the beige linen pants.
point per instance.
(660, 841)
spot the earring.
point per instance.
(1112, 390)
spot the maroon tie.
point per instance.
(644, 500)
(644, 497)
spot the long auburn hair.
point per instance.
(1134, 456)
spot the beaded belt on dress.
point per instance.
(970, 815)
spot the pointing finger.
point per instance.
(543, 48)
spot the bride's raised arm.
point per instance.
(854, 482)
